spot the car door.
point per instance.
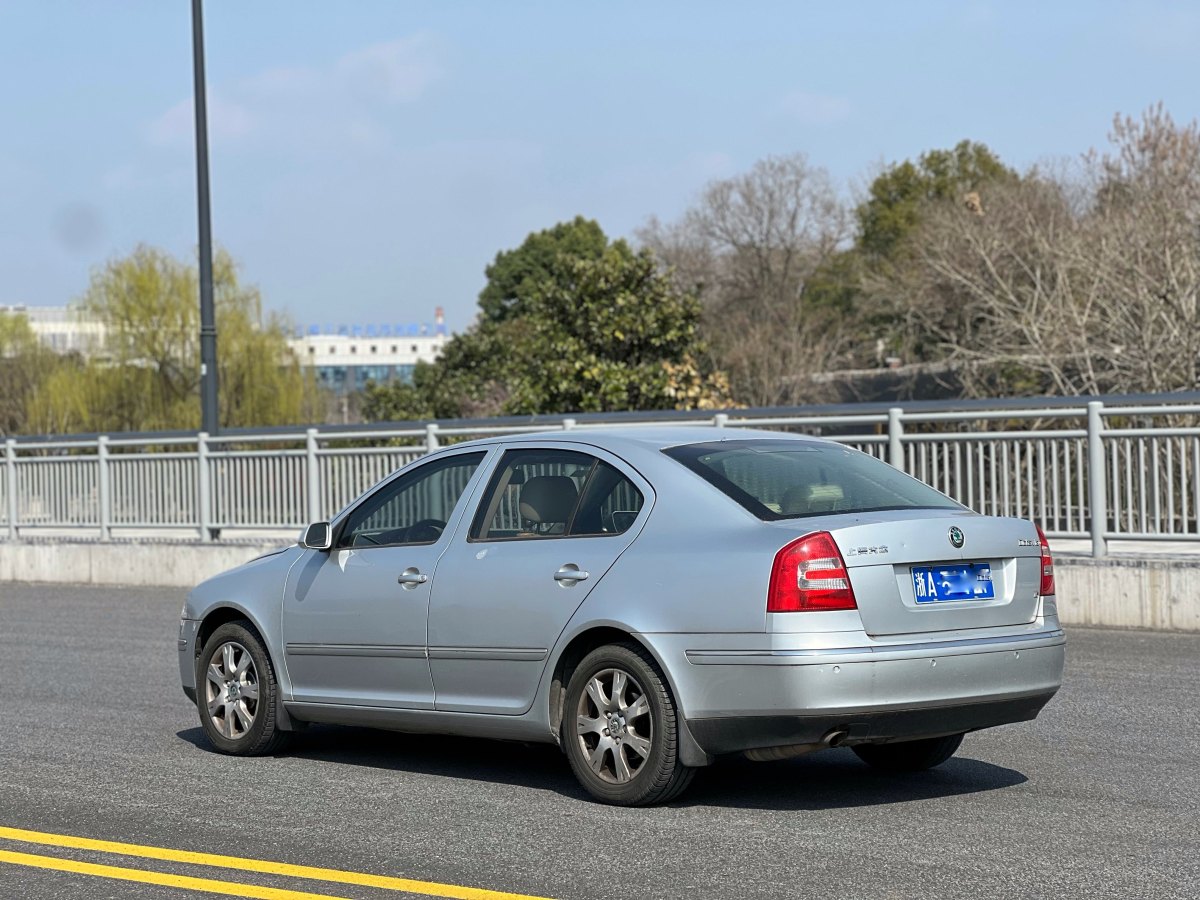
(551, 522)
(355, 616)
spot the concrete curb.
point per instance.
(1160, 593)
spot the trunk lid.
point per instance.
(882, 549)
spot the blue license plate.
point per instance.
(953, 581)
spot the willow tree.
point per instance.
(25, 365)
(147, 375)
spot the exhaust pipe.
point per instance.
(833, 738)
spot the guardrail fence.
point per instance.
(1095, 472)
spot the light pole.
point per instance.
(208, 319)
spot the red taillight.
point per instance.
(809, 574)
(1046, 588)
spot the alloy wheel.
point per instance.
(231, 690)
(614, 725)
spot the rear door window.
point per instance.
(793, 479)
(538, 494)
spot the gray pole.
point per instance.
(208, 319)
(1097, 495)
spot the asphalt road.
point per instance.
(1100, 797)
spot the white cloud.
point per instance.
(396, 71)
(120, 178)
(705, 166)
(227, 121)
(348, 98)
(815, 109)
(281, 82)
(1159, 30)
(14, 173)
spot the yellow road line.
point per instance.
(428, 888)
(229, 888)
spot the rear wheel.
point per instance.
(909, 756)
(237, 692)
(620, 729)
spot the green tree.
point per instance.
(613, 335)
(514, 274)
(899, 194)
(25, 365)
(853, 282)
(591, 332)
(147, 376)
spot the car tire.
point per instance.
(236, 692)
(909, 756)
(620, 729)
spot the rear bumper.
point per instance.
(741, 699)
(731, 734)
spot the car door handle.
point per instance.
(411, 577)
(569, 574)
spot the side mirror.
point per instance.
(318, 536)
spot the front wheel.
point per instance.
(909, 756)
(620, 729)
(237, 692)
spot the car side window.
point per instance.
(555, 493)
(414, 508)
(609, 504)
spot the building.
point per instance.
(347, 357)
(61, 328)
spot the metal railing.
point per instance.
(1097, 470)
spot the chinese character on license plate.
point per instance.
(953, 581)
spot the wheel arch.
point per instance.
(599, 635)
(222, 614)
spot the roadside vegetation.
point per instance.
(951, 272)
(146, 375)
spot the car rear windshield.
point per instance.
(791, 479)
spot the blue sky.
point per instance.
(369, 158)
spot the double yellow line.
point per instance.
(214, 886)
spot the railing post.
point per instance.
(431, 437)
(1097, 496)
(895, 436)
(10, 478)
(312, 475)
(203, 487)
(568, 424)
(720, 420)
(103, 488)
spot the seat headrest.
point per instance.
(548, 498)
(807, 498)
(794, 500)
(825, 493)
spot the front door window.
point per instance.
(414, 508)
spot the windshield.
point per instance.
(791, 479)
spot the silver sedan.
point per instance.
(649, 599)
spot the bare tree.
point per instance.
(1073, 285)
(748, 248)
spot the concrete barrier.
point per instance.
(1119, 592)
(162, 563)
(1150, 592)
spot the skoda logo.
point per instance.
(956, 537)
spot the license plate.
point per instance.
(953, 581)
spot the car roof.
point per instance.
(649, 437)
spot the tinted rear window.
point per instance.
(792, 479)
